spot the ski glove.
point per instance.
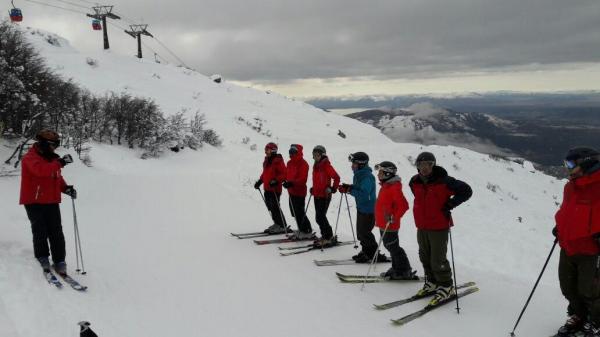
(257, 184)
(345, 188)
(273, 183)
(70, 191)
(330, 190)
(288, 184)
(66, 159)
(555, 232)
(311, 191)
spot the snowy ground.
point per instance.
(161, 262)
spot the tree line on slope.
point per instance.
(33, 97)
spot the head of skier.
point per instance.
(425, 163)
(319, 153)
(581, 160)
(295, 151)
(47, 141)
(270, 149)
(358, 160)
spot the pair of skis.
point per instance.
(327, 263)
(52, 279)
(372, 278)
(469, 287)
(307, 248)
(252, 235)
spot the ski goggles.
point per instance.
(570, 164)
(53, 143)
(424, 164)
(385, 169)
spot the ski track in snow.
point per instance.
(161, 262)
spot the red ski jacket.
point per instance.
(297, 173)
(434, 194)
(273, 168)
(322, 175)
(578, 218)
(41, 181)
(390, 205)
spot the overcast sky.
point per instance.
(348, 47)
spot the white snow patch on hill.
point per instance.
(161, 262)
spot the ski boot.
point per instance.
(403, 275)
(573, 325)
(428, 288)
(591, 330)
(442, 294)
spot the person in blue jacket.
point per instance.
(363, 190)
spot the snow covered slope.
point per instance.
(156, 240)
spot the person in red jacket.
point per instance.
(578, 233)
(325, 182)
(295, 183)
(272, 177)
(389, 209)
(436, 194)
(41, 187)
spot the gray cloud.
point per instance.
(282, 40)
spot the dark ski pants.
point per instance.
(272, 201)
(321, 206)
(579, 278)
(391, 242)
(46, 227)
(297, 208)
(433, 247)
(365, 223)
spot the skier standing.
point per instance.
(323, 174)
(363, 190)
(295, 183)
(41, 187)
(389, 209)
(436, 194)
(272, 176)
(578, 232)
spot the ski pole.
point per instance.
(338, 215)
(512, 334)
(376, 255)
(281, 213)
(453, 269)
(78, 250)
(351, 225)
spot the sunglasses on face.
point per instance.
(424, 164)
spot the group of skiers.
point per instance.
(436, 194)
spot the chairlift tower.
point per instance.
(136, 31)
(101, 13)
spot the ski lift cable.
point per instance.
(73, 4)
(49, 5)
(90, 2)
(170, 52)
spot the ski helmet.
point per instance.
(272, 146)
(359, 158)
(49, 137)
(319, 149)
(388, 168)
(583, 157)
(425, 156)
